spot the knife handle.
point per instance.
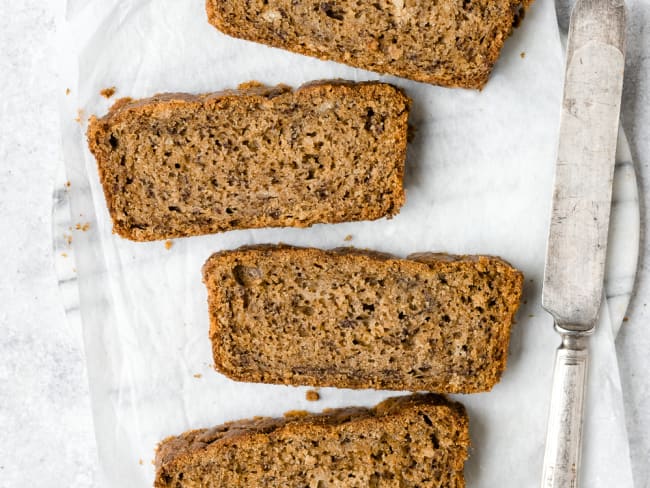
(564, 433)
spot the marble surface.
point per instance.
(44, 406)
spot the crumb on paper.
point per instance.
(108, 92)
(80, 115)
(68, 238)
(64, 254)
(530, 315)
(348, 238)
(140, 462)
(168, 244)
(74, 270)
(312, 396)
(67, 184)
(525, 302)
(625, 319)
(522, 54)
(82, 227)
(197, 375)
(67, 91)
(153, 463)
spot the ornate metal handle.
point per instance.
(564, 433)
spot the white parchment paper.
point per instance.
(479, 180)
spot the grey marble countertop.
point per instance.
(45, 418)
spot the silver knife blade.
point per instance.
(577, 241)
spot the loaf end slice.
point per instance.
(418, 440)
(357, 319)
(447, 42)
(179, 165)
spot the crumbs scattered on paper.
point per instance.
(68, 238)
(168, 245)
(80, 115)
(108, 92)
(140, 462)
(67, 91)
(198, 375)
(82, 227)
(348, 238)
(312, 396)
(64, 254)
(625, 319)
(522, 54)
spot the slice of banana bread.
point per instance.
(443, 42)
(179, 165)
(356, 319)
(418, 440)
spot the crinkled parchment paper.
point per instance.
(478, 180)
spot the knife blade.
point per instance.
(577, 240)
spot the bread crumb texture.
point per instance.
(358, 319)
(179, 165)
(108, 92)
(446, 42)
(413, 441)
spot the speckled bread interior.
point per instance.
(179, 165)
(357, 319)
(405, 442)
(451, 43)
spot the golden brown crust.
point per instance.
(138, 193)
(455, 330)
(447, 43)
(192, 451)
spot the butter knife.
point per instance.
(577, 241)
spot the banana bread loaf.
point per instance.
(178, 165)
(445, 42)
(413, 441)
(355, 319)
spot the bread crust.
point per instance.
(458, 48)
(478, 369)
(200, 218)
(197, 448)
